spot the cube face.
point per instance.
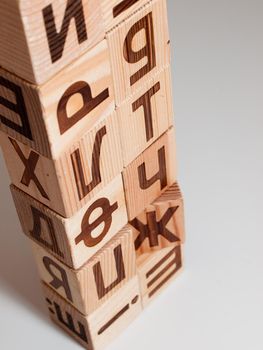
(157, 269)
(57, 113)
(150, 174)
(161, 224)
(104, 324)
(139, 47)
(32, 173)
(146, 115)
(66, 184)
(76, 239)
(108, 271)
(47, 35)
(115, 11)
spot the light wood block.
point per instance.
(139, 47)
(103, 325)
(115, 11)
(76, 239)
(156, 270)
(50, 117)
(96, 281)
(161, 224)
(150, 174)
(67, 183)
(146, 115)
(41, 37)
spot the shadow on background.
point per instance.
(18, 274)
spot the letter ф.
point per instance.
(87, 227)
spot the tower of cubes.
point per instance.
(88, 138)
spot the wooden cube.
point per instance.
(40, 38)
(76, 239)
(150, 174)
(139, 47)
(115, 11)
(161, 224)
(156, 270)
(95, 331)
(97, 280)
(50, 117)
(145, 115)
(67, 183)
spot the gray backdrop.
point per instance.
(217, 302)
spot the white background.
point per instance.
(217, 303)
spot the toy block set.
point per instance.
(87, 134)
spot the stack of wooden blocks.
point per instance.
(88, 138)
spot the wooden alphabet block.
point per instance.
(156, 269)
(150, 174)
(115, 11)
(67, 183)
(96, 281)
(38, 39)
(139, 47)
(50, 117)
(161, 224)
(76, 239)
(146, 115)
(95, 331)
